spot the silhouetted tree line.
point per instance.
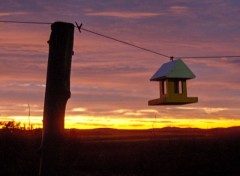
(14, 125)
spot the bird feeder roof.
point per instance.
(173, 69)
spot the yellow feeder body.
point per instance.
(172, 77)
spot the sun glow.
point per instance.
(92, 122)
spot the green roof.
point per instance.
(173, 69)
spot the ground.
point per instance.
(103, 152)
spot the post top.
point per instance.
(61, 24)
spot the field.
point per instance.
(103, 152)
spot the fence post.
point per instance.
(56, 95)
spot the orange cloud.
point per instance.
(178, 9)
(4, 14)
(133, 15)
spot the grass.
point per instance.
(165, 152)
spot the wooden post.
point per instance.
(56, 96)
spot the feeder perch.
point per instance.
(172, 77)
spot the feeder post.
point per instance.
(56, 95)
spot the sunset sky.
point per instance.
(110, 81)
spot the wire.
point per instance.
(130, 44)
(24, 22)
(206, 57)
(123, 42)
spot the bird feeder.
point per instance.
(172, 77)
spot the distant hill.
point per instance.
(156, 134)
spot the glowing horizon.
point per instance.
(88, 122)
